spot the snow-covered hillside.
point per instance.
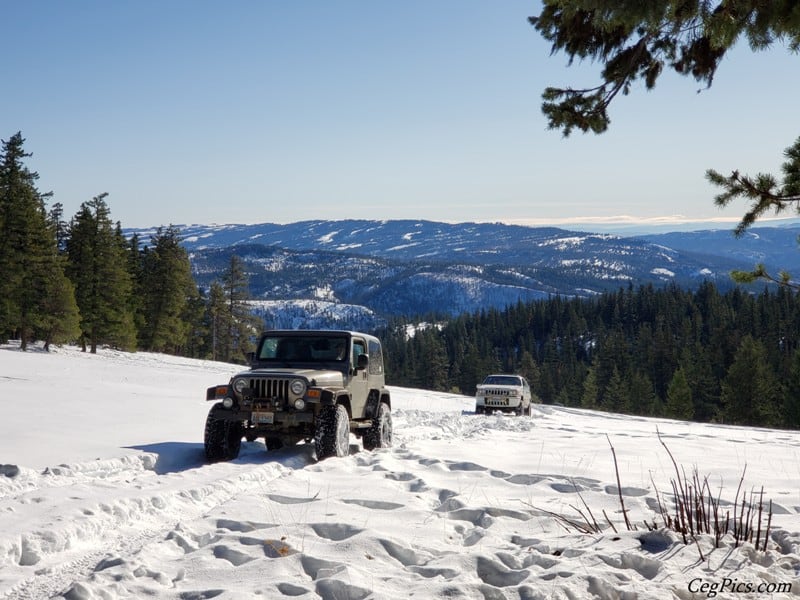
(104, 494)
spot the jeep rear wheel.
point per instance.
(222, 439)
(379, 435)
(332, 437)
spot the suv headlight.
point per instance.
(297, 387)
(239, 385)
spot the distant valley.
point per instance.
(358, 273)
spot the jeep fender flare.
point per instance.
(334, 397)
(374, 400)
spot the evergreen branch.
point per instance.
(759, 272)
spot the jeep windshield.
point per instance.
(293, 348)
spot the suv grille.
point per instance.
(497, 392)
(267, 388)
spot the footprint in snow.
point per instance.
(373, 504)
(499, 575)
(626, 491)
(400, 476)
(290, 500)
(335, 532)
(465, 466)
(242, 526)
(233, 556)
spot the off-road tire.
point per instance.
(222, 439)
(379, 435)
(273, 443)
(332, 437)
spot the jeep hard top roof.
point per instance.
(317, 332)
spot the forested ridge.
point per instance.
(701, 355)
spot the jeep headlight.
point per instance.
(239, 385)
(227, 402)
(299, 404)
(298, 387)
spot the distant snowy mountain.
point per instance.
(776, 247)
(405, 267)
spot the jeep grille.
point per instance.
(267, 388)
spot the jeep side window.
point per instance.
(359, 348)
(375, 358)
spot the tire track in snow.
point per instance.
(41, 555)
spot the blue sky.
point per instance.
(193, 111)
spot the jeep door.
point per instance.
(359, 383)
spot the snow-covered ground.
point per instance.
(104, 494)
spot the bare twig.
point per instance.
(619, 487)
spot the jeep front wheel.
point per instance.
(223, 439)
(332, 437)
(379, 435)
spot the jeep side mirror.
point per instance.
(362, 361)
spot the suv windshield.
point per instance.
(303, 348)
(501, 380)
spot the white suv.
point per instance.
(508, 393)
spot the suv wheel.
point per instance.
(332, 436)
(273, 443)
(379, 435)
(223, 439)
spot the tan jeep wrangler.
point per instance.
(304, 385)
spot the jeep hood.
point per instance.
(320, 377)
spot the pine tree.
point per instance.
(642, 398)
(60, 227)
(615, 397)
(792, 403)
(218, 322)
(166, 289)
(98, 269)
(590, 390)
(704, 386)
(135, 259)
(197, 337)
(62, 321)
(530, 371)
(750, 391)
(232, 325)
(679, 397)
(32, 291)
(434, 367)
